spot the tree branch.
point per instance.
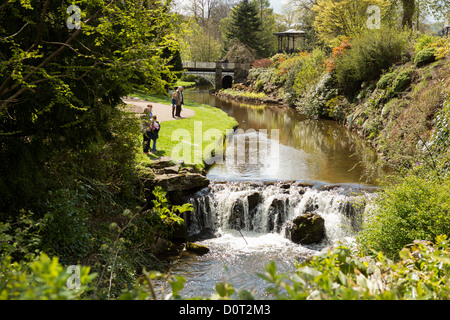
(44, 63)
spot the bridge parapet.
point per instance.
(195, 65)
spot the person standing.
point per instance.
(180, 101)
(174, 102)
(146, 130)
(155, 126)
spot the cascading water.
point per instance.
(244, 225)
(266, 208)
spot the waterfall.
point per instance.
(268, 208)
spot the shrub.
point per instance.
(310, 71)
(340, 274)
(423, 42)
(386, 80)
(402, 80)
(370, 53)
(314, 102)
(415, 208)
(424, 57)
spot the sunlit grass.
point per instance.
(206, 118)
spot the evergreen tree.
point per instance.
(245, 25)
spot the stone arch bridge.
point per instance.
(220, 74)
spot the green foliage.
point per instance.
(402, 81)
(335, 19)
(28, 273)
(59, 88)
(371, 52)
(416, 208)
(315, 103)
(310, 71)
(244, 24)
(439, 143)
(42, 279)
(339, 274)
(169, 215)
(423, 42)
(198, 44)
(386, 80)
(424, 57)
(66, 233)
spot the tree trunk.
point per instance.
(409, 8)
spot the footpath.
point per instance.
(162, 111)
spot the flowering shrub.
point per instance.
(314, 103)
(338, 51)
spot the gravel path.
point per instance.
(162, 111)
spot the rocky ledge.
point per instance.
(174, 176)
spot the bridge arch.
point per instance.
(224, 73)
(227, 82)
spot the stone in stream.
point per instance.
(277, 214)
(306, 229)
(197, 248)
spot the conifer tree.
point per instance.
(245, 25)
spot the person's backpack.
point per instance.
(156, 126)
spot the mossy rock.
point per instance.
(425, 57)
(197, 248)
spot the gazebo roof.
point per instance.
(290, 32)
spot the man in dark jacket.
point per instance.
(179, 100)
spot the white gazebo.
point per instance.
(286, 40)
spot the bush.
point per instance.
(423, 42)
(370, 53)
(310, 71)
(315, 102)
(386, 80)
(340, 274)
(424, 57)
(415, 208)
(402, 80)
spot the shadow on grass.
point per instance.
(156, 155)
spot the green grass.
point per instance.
(184, 84)
(247, 94)
(181, 139)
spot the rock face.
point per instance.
(181, 181)
(173, 177)
(306, 229)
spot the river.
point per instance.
(242, 217)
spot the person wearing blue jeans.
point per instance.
(147, 119)
(155, 126)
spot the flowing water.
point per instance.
(318, 166)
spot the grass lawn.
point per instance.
(189, 139)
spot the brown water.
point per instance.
(308, 150)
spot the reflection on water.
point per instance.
(308, 150)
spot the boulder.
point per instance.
(172, 169)
(161, 163)
(277, 214)
(254, 199)
(236, 219)
(181, 182)
(306, 229)
(197, 248)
